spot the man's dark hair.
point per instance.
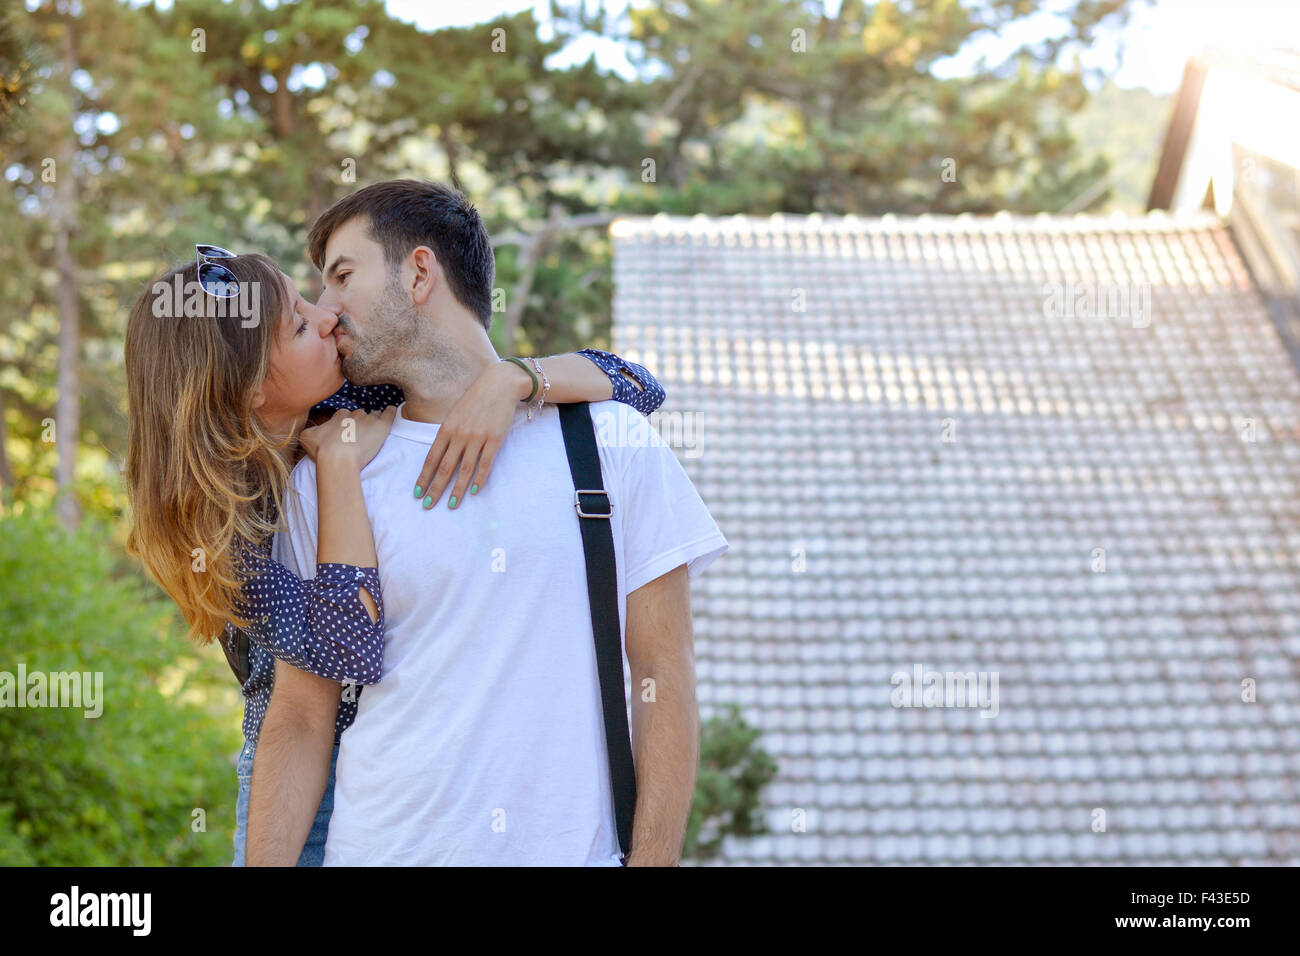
(405, 213)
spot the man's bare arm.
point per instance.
(291, 766)
(665, 728)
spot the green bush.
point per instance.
(122, 788)
(733, 772)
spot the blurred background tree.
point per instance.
(17, 65)
(146, 130)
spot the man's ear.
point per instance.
(424, 274)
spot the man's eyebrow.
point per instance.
(334, 266)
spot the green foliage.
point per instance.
(733, 772)
(1128, 128)
(122, 788)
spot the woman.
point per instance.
(218, 414)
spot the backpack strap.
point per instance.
(591, 501)
(236, 652)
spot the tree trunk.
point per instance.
(67, 411)
(282, 106)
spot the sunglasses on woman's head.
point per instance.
(215, 278)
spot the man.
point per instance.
(484, 744)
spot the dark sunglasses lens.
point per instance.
(218, 280)
(214, 252)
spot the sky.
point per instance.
(1150, 52)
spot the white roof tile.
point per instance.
(910, 405)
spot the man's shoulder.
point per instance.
(615, 407)
(619, 425)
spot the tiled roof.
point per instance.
(916, 471)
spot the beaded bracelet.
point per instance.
(546, 387)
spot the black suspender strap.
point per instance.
(591, 501)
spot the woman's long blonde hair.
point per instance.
(203, 476)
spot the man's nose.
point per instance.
(327, 302)
(326, 319)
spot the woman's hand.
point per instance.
(356, 436)
(473, 433)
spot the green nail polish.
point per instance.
(452, 503)
(418, 491)
(473, 489)
(428, 502)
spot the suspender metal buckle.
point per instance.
(577, 503)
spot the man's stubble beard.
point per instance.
(382, 358)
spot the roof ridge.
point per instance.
(1003, 221)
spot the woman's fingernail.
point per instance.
(418, 491)
(428, 502)
(473, 489)
(452, 503)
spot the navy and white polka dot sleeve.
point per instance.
(645, 398)
(368, 398)
(317, 625)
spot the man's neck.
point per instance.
(435, 383)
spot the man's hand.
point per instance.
(291, 766)
(665, 716)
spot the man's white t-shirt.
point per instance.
(484, 742)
